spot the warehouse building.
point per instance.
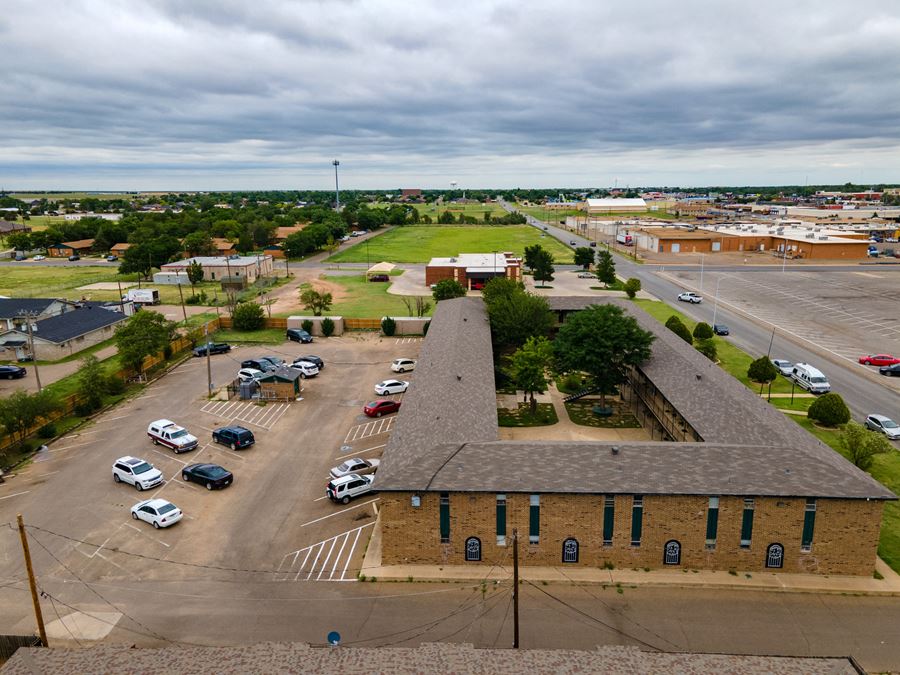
(244, 269)
(724, 482)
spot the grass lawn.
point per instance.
(69, 384)
(798, 404)
(367, 299)
(617, 285)
(581, 412)
(522, 417)
(264, 335)
(419, 244)
(475, 210)
(550, 215)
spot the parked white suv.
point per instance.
(137, 472)
(166, 432)
(402, 365)
(306, 368)
(347, 487)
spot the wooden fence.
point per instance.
(362, 324)
(225, 322)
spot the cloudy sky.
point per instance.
(229, 94)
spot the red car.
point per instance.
(878, 360)
(381, 407)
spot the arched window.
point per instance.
(775, 556)
(672, 553)
(570, 551)
(473, 549)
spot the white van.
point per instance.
(811, 379)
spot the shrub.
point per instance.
(703, 331)
(675, 325)
(425, 328)
(631, 287)
(197, 299)
(114, 385)
(85, 408)
(447, 289)
(388, 326)
(167, 352)
(47, 431)
(248, 316)
(327, 326)
(829, 410)
(707, 347)
(307, 325)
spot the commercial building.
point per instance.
(473, 270)
(724, 480)
(245, 269)
(67, 248)
(615, 205)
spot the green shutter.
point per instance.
(712, 521)
(501, 517)
(609, 519)
(445, 516)
(747, 527)
(809, 523)
(534, 519)
(637, 521)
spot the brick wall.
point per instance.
(844, 542)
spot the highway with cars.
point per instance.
(862, 389)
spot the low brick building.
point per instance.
(74, 328)
(67, 248)
(217, 268)
(728, 483)
(473, 270)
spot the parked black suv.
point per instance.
(236, 438)
(213, 348)
(259, 364)
(298, 335)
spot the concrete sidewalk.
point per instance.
(675, 578)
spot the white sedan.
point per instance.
(157, 512)
(391, 387)
(39, 257)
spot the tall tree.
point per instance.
(315, 301)
(530, 255)
(20, 411)
(584, 256)
(518, 317)
(861, 445)
(605, 343)
(528, 367)
(543, 266)
(144, 334)
(762, 370)
(194, 274)
(500, 287)
(91, 382)
(606, 268)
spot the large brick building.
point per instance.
(473, 270)
(725, 481)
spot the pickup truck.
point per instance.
(691, 297)
(212, 348)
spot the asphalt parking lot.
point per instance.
(274, 519)
(847, 313)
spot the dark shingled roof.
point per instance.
(452, 399)
(71, 324)
(282, 657)
(749, 447)
(10, 307)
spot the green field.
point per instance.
(474, 210)
(550, 215)
(366, 299)
(419, 244)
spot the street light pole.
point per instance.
(716, 301)
(701, 272)
(784, 257)
(337, 192)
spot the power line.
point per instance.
(56, 611)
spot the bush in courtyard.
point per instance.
(388, 326)
(631, 287)
(675, 325)
(327, 326)
(307, 325)
(707, 347)
(703, 331)
(829, 410)
(248, 316)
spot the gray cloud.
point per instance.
(203, 94)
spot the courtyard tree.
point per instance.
(315, 302)
(604, 342)
(144, 334)
(530, 255)
(829, 410)
(500, 287)
(518, 317)
(861, 445)
(528, 367)
(606, 268)
(543, 266)
(762, 370)
(584, 256)
(447, 289)
(248, 316)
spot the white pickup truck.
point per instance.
(166, 432)
(691, 297)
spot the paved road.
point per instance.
(863, 394)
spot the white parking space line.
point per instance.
(337, 513)
(367, 429)
(326, 560)
(249, 412)
(361, 452)
(15, 494)
(180, 461)
(69, 447)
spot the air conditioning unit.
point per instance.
(823, 237)
(810, 236)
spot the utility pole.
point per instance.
(515, 589)
(208, 365)
(337, 192)
(29, 317)
(121, 302)
(183, 310)
(39, 617)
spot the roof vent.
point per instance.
(615, 449)
(452, 259)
